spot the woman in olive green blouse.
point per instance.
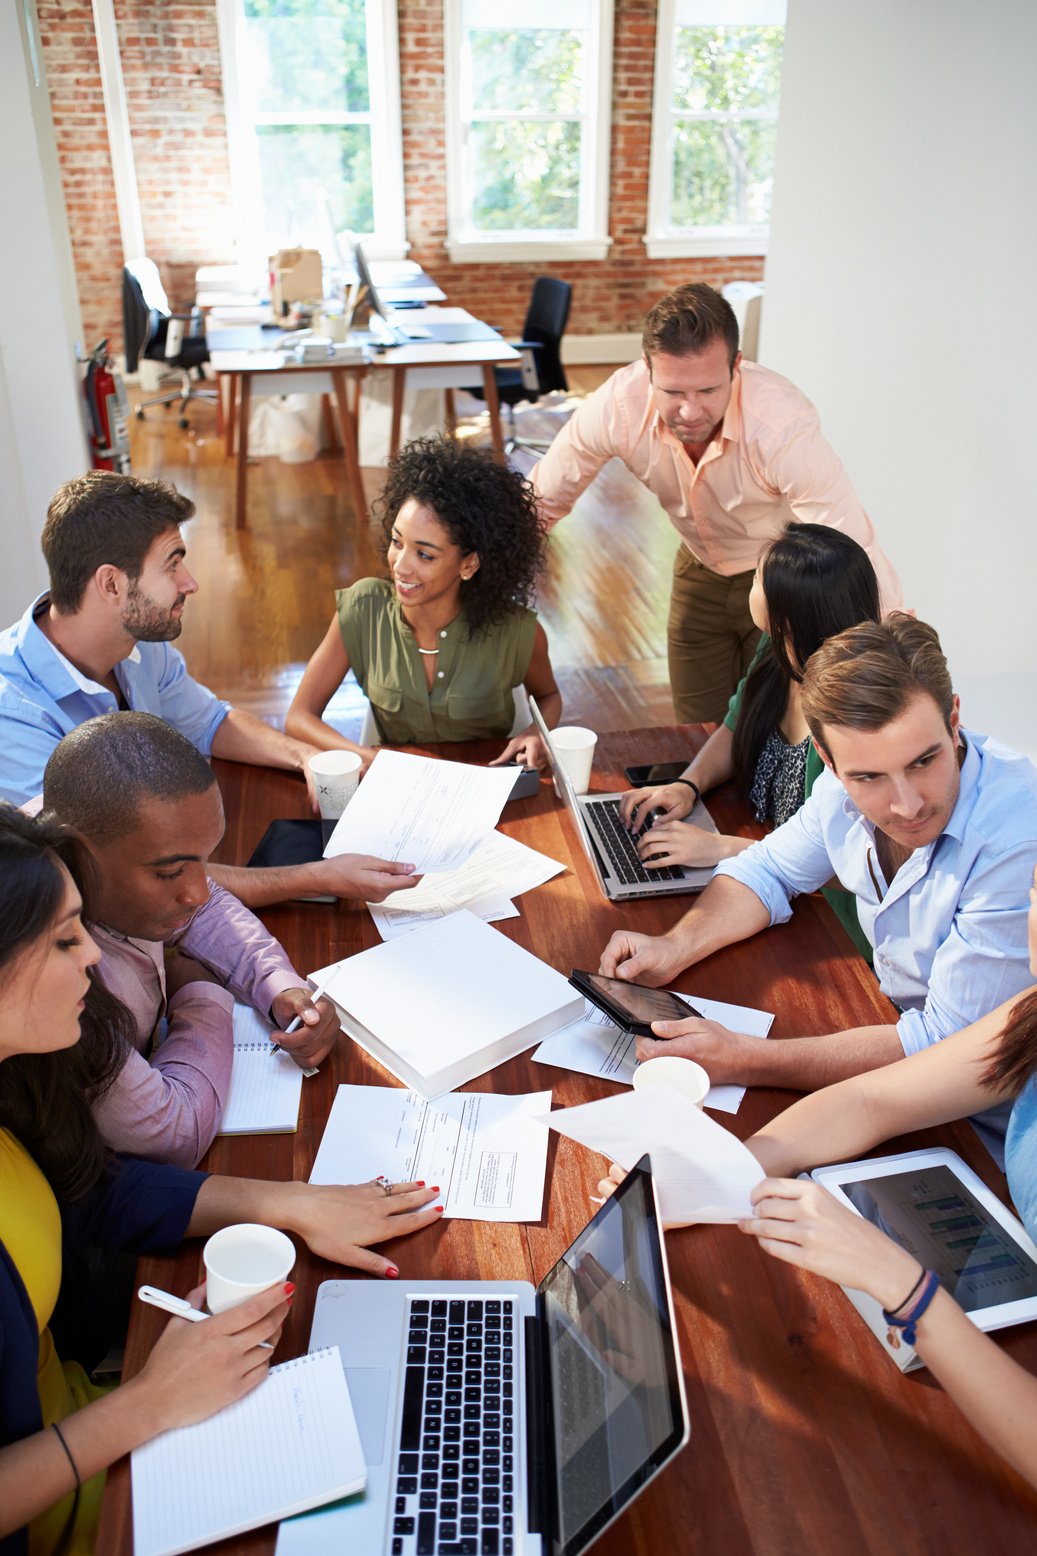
(441, 644)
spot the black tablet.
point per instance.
(630, 1005)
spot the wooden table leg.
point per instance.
(350, 444)
(450, 409)
(231, 380)
(327, 422)
(244, 400)
(399, 384)
(489, 381)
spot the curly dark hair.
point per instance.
(484, 507)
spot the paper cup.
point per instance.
(242, 1260)
(574, 748)
(335, 776)
(682, 1075)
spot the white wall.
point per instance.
(42, 438)
(901, 298)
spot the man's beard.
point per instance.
(145, 623)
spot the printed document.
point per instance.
(431, 813)
(391, 922)
(488, 1153)
(500, 867)
(594, 1045)
(702, 1172)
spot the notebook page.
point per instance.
(290, 1445)
(265, 1087)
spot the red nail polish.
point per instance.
(435, 1188)
(439, 1210)
(421, 1183)
(289, 1288)
(392, 1273)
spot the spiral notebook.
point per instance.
(290, 1445)
(265, 1085)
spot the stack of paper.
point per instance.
(265, 1083)
(448, 1002)
(501, 868)
(594, 1045)
(702, 1172)
(488, 1153)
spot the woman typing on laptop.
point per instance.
(812, 582)
(441, 645)
(62, 1193)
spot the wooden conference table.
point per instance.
(804, 1436)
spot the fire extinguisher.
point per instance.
(108, 412)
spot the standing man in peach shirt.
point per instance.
(733, 452)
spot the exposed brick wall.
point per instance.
(171, 70)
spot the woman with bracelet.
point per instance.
(812, 582)
(60, 1189)
(440, 646)
(994, 1060)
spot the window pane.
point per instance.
(308, 54)
(723, 173)
(525, 70)
(728, 69)
(300, 165)
(525, 176)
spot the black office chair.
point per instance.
(152, 330)
(541, 370)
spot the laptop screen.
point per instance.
(615, 1405)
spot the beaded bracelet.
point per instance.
(908, 1322)
(692, 786)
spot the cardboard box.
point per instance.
(295, 275)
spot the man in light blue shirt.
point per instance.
(99, 641)
(933, 828)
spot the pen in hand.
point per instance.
(179, 1307)
(294, 1025)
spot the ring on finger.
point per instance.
(384, 1183)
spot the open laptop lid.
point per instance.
(614, 1410)
(569, 797)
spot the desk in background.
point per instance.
(804, 1436)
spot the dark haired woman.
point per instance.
(60, 1190)
(812, 582)
(993, 1061)
(440, 646)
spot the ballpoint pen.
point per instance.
(293, 1026)
(179, 1307)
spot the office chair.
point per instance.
(541, 370)
(152, 330)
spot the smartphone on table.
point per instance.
(653, 773)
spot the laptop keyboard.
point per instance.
(621, 845)
(455, 1476)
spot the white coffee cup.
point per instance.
(574, 748)
(243, 1260)
(683, 1075)
(335, 777)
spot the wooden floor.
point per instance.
(266, 594)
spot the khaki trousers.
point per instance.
(710, 638)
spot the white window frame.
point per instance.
(591, 240)
(389, 240)
(662, 240)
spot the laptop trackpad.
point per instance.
(369, 1391)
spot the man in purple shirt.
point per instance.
(101, 640)
(149, 808)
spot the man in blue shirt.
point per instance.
(100, 641)
(932, 828)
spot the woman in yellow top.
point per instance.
(58, 1183)
(440, 646)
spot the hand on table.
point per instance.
(674, 800)
(527, 749)
(803, 1224)
(337, 1221)
(362, 876)
(650, 959)
(196, 1369)
(315, 1039)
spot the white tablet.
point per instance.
(936, 1207)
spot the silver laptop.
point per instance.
(611, 848)
(499, 1419)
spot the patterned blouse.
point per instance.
(780, 779)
